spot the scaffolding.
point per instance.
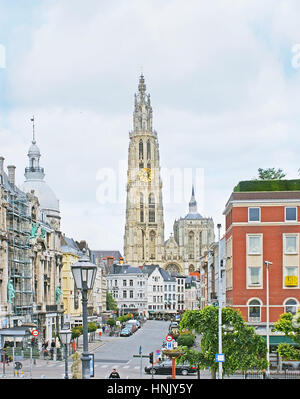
(19, 261)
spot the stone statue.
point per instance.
(34, 230)
(43, 233)
(58, 294)
(11, 291)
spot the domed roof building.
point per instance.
(34, 175)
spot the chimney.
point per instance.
(11, 174)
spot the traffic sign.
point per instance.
(169, 338)
(35, 333)
(170, 345)
(220, 357)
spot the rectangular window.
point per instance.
(290, 214)
(254, 245)
(254, 276)
(291, 276)
(253, 214)
(291, 246)
(124, 283)
(131, 283)
(124, 294)
(130, 294)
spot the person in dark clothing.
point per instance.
(52, 348)
(114, 374)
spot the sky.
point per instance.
(224, 82)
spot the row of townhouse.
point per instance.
(150, 290)
(262, 224)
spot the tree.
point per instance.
(243, 349)
(289, 324)
(186, 340)
(111, 304)
(270, 174)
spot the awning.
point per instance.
(279, 339)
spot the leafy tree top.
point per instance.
(270, 174)
(243, 348)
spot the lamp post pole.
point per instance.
(267, 263)
(84, 273)
(66, 362)
(85, 358)
(220, 303)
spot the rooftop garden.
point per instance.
(267, 185)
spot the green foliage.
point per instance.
(92, 326)
(267, 185)
(186, 340)
(124, 318)
(290, 326)
(111, 322)
(270, 174)
(111, 304)
(288, 352)
(243, 349)
(76, 332)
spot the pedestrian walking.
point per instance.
(45, 349)
(114, 374)
(52, 348)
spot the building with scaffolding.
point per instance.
(30, 250)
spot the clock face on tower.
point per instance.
(145, 174)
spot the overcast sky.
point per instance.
(224, 82)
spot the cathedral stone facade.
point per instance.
(144, 230)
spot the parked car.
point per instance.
(130, 327)
(126, 332)
(165, 367)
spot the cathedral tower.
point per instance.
(144, 229)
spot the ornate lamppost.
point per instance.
(65, 336)
(84, 273)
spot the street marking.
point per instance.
(104, 366)
(126, 367)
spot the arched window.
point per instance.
(291, 306)
(141, 150)
(191, 245)
(254, 312)
(148, 150)
(152, 244)
(151, 208)
(141, 208)
(141, 165)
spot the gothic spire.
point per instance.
(142, 116)
(193, 202)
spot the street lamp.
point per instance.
(267, 263)
(220, 301)
(65, 336)
(84, 273)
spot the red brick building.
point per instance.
(263, 226)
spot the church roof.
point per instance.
(103, 254)
(193, 216)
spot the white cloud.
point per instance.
(223, 97)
